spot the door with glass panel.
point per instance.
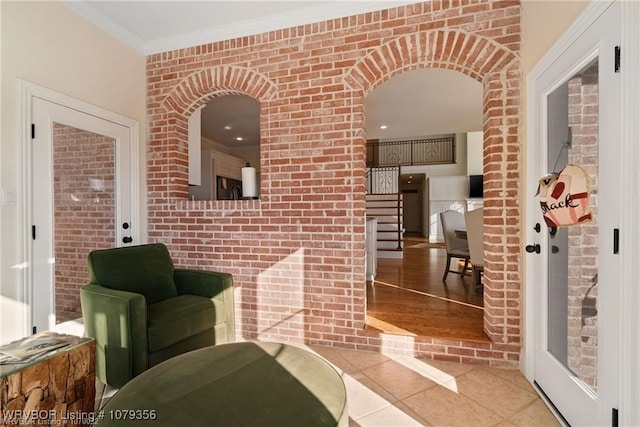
(575, 269)
(80, 201)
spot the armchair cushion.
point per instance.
(171, 320)
(144, 269)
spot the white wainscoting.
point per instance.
(448, 192)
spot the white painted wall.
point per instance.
(47, 44)
(543, 22)
(195, 152)
(475, 155)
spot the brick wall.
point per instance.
(297, 254)
(84, 210)
(582, 332)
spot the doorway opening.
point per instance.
(81, 194)
(574, 261)
(408, 295)
(414, 197)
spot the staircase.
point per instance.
(387, 209)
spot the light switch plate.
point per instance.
(7, 197)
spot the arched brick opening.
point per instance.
(497, 69)
(188, 94)
(192, 92)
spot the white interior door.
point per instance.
(575, 269)
(80, 193)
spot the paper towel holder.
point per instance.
(249, 180)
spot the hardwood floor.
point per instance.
(409, 297)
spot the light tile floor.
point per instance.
(405, 391)
(390, 391)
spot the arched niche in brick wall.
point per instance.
(497, 68)
(193, 92)
(224, 136)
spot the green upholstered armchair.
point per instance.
(142, 311)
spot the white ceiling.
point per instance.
(416, 103)
(151, 26)
(424, 102)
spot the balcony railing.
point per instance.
(426, 151)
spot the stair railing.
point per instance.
(386, 180)
(399, 220)
(383, 180)
(399, 207)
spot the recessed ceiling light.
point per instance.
(227, 127)
(239, 138)
(383, 126)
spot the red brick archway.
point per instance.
(185, 97)
(472, 55)
(496, 67)
(179, 104)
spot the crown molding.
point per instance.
(107, 25)
(299, 16)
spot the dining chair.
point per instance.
(475, 236)
(456, 247)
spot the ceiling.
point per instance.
(150, 26)
(413, 104)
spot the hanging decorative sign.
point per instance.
(564, 197)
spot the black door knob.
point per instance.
(533, 248)
(555, 249)
(127, 239)
(537, 227)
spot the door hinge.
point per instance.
(616, 241)
(616, 66)
(33, 131)
(34, 330)
(614, 417)
(33, 232)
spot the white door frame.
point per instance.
(629, 380)
(28, 92)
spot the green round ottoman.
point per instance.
(238, 384)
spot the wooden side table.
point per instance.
(57, 388)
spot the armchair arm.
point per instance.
(211, 284)
(117, 320)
